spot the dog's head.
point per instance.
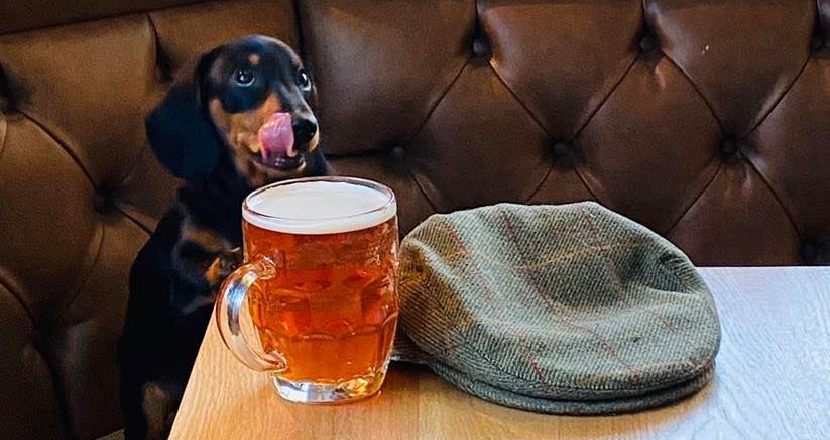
(252, 96)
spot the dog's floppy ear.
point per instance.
(179, 132)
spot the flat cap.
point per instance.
(568, 309)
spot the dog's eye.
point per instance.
(244, 77)
(304, 81)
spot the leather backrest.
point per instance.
(707, 121)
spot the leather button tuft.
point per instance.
(102, 203)
(481, 47)
(5, 95)
(729, 146)
(561, 149)
(648, 43)
(103, 200)
(398, 152)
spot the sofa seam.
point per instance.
(134, 161)
(510, 91)
(295, 4)
(19, 298)
(104, 17)
(156, 40)
(424, 123)
(778, 101)
(429, 114)
(602, 103)
(541, 183)
(775, 196)
(575, 139)
(695, 200)
(437, 104)
(129, 217)
(519, 101)
(77, 290)
(751, 164)
(62, 144)
(697, 90)
(544, 129)
(36, 343)
(550, 137)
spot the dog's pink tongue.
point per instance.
(276, 137)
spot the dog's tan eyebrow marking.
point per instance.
(253, 59)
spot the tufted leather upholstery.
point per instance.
(707, 121)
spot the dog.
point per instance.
(225, 133)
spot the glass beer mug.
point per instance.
(315, 305)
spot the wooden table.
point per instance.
(772, 381)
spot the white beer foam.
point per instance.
(318, 207)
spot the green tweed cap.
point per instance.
(567, 309)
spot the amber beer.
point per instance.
(330, 309)
(323, 307)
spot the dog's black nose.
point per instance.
(304, 131)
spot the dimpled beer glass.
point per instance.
(315, 305)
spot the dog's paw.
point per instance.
(231, 260)
(225, 263)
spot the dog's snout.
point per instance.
(304, 130)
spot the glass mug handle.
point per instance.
(229, 302)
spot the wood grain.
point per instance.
(772, 381)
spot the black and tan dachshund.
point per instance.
(244, 121)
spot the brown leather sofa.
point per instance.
(707, 121)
